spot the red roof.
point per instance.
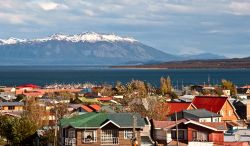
(177, 106)
(105, 98)
(246, 87)
(210, 103)
(86, 108)
(28, 86)
(96, 107)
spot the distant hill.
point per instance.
(202, 56)
(193, 64)
(81, 49)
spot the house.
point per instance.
(11, 106)
(242, 108)
(7, 96)
(200, 115)
(27, 87)
(101, 129)
(217, 104)
(179, 106)
(189, 132)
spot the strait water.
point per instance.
(42, 75)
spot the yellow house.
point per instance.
(11, 106)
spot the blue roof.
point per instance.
(11, 103)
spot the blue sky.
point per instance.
(173, 26)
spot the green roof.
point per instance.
(199, 113)
(96, 120)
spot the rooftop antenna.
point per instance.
(208, 80)
(177, 86)
(182, 86)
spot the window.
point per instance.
(128, 134)
(11, 107)
(89, 136)
(221, 113)
(173, 133)
(199, 136)
(109, 137)
(71, 133)
(229, 113)
(181, 134)
(194, 135)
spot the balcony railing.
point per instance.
(70, 141)
(89, 140)
(109, 140)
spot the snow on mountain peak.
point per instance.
(83, 37)
(12, 40)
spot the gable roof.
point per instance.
(86, 108)
(178, 106)
(97, 120)
(210, 103)
(215, 126)
(167, 124)
(96, 107)
(199, 113)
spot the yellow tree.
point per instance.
(228, 85)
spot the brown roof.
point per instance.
(216, 125)
(220, 126)
(167, 124)
(233, 124)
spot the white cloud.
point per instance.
(240, 8)
(48, 6)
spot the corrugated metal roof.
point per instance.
(96, 120)
(210, 103)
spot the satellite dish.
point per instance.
(237, 137)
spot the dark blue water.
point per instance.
(11, 76)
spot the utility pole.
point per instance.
(134, 140)
(177, 139)
(55, 136)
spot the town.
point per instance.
(135, 113)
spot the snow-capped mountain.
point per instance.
(11, 41)
(84, 37)
(81, 49)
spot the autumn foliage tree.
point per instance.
(165, 85)
(149, 107)
(228, 85)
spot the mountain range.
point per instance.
(84, 49)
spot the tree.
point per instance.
(165, 85)
(15, 129)
(19, 97)
(35, 112)
(150, 107)
(121, 89)
(136, 89)
(228, 85)
(107, 91)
